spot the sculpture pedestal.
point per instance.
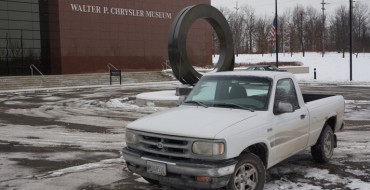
(183, 90)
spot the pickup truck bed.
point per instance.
(313, 97)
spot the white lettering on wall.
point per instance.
(127, 12)
(85, 8)
(120, 11)
(155, 14)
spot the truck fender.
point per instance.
(259, 149)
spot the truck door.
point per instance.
(290, 129)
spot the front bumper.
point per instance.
(182, 173)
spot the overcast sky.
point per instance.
(267, 7)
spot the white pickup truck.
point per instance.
(231, 128)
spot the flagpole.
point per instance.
(276, 36)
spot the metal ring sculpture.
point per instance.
(177, 53)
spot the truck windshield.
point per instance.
(239, 92)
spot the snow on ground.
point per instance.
(64, 138)
(330, 68)
(81, 168)
(94, 119)
(357, 110)
(159, 95)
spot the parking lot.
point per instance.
(71, 139)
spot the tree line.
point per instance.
(300, 29)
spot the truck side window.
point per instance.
(285, 92)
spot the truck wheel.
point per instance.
(249, 173)
(322, 151)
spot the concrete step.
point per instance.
(49, 81)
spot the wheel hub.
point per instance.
(246, 177)
(328, 145)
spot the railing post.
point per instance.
(114, 72)
(120, 78)
(110, 77)
(32, 66)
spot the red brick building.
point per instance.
(83, 36)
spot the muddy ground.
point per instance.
(71, 139)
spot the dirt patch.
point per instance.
(128, 183)
(357, 124)
(11, 146)
(47, 165)
(41, 121)
(43, 165)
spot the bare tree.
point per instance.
(237, 26)
(361, 23)
(312, 26)
(226, 12)
(249, 19)
(283, 32)
(300, 30)
(339, 29)
(262, 42)
(215, 42)
(298, 20)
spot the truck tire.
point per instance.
(322, 151)
(249, 172)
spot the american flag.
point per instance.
(273, 30)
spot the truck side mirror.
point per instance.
(283, 107)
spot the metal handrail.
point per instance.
(111, 65)
(32, 66)
(165, 65)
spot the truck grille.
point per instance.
(165, 145)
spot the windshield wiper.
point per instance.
(196, 102)
(232, 105)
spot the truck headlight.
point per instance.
(131, 138)
(208, 148)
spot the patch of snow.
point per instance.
(159, 95)
(118, 103)
(33, 112)
(52, 98)
(330, 68)
(357, 110)
(93, 121)
(356, 144)
(80, 168)
(357, 172)
(286, 184)
(357, 184)
(141, 180)
(14, 103)
(321, 174)
(56, 136)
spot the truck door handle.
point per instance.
(303, 116)
(269, 129)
